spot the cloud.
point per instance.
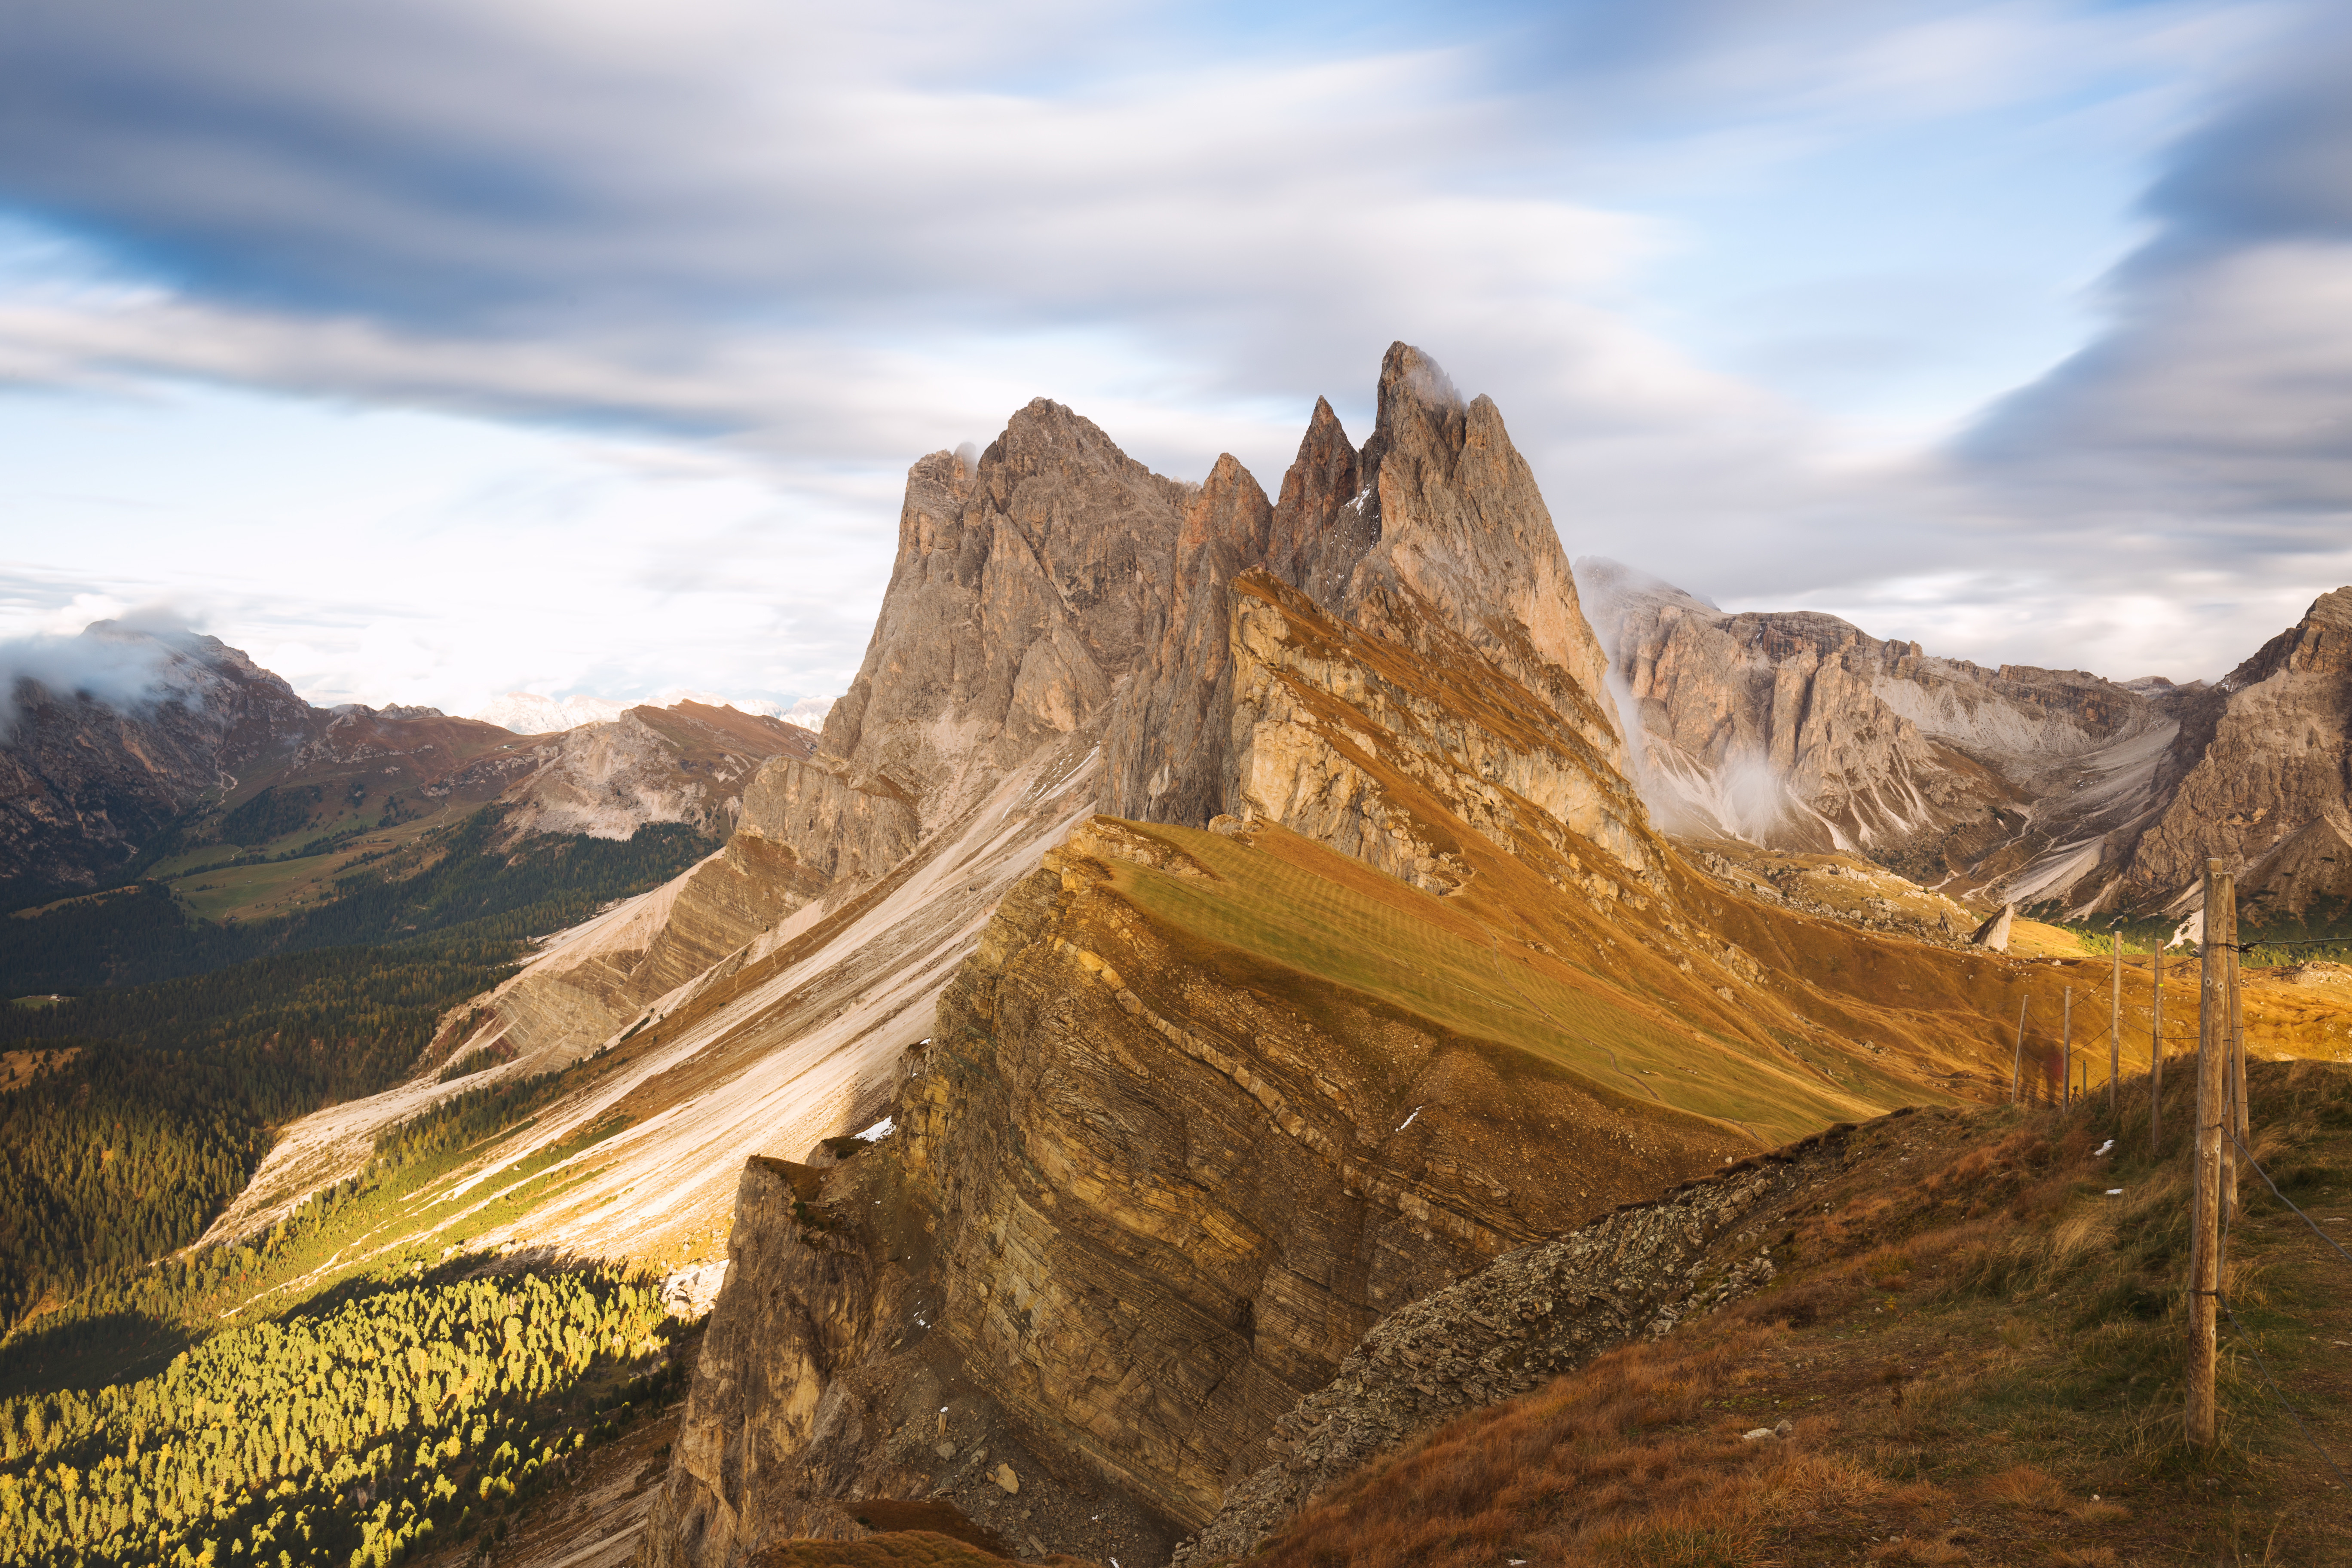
(818, 243)
(131, 662)
(2203, 442)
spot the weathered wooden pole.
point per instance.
(2237, 1133)
(2066, 1053)
(2017, 1063)
(2156, 1057)
(2116, 1027)
(2205, 1199)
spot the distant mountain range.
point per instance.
(128, 749)
(528, 713)
(2056, 786)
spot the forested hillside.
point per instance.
(141, 1109)
(453, 878)
(344, 1436)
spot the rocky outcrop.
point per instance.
(1798, 730)
(1340, 735)
(1464, 547)
(90, 776)
(1056, 588)
(1027, 588)
(1171, 751)
(1528, 1317)
(2260, 778)
(688, 762)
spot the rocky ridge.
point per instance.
(1200, 1108)
(1799, 732)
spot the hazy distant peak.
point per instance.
(531, 713)
(528, 713)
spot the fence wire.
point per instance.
(2245, 1336)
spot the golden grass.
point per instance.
(2012, 1395)
(1311, 911)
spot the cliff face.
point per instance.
(1145, 1193)
(2262, 774)
(1434, 539)
(1797, 730)
(1345, 737)
(1025, 591)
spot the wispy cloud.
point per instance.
(1681, 244)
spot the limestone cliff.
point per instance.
(1798, 730)
(1433, 538)
(1027, 588)
(2260, 776)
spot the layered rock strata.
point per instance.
(1136, 1207)
(1523, 1320)
(1335, 731)
(2260, 778)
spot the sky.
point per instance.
(434, 350)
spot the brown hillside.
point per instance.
(1977, 1349)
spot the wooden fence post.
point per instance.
(2236, 1131)
(2016, 1062)
(2067, 1054)
(2115, 1027)
(2156, 1056)
(2205, 1201)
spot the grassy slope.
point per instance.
(1979, 1352)
(1322, 915)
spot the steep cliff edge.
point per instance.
(2260, 776)
(1155, 1173)
(1799, 732)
